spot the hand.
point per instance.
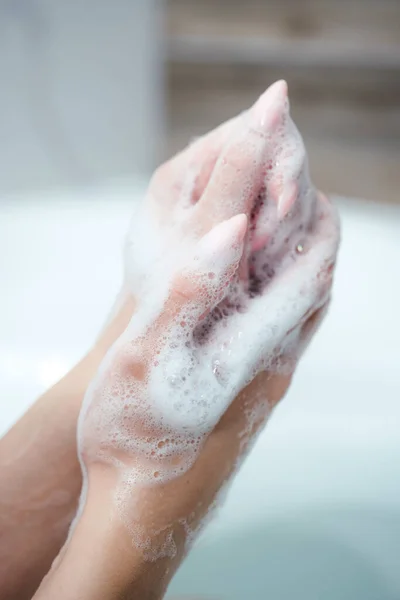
(275, 298)
(167, 390)
(261, 170)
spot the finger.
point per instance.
(201, 158)
(287, 185)
(311, 326)
(240, 168)
(203, 282)
(298, 339)
(287, 301)
(183, 178)
(290, 172)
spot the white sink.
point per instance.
(315, 512)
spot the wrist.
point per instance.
(103, 555)
(115, 327)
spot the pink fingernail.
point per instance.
(267, 108)
(224, 237)
(287, 199)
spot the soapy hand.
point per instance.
(230, 259)
(254, 164)
(228, 269)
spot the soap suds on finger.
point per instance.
(244, 298)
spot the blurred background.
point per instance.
(93, 95)
(340, 58)
(95, 90)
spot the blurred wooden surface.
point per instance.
(341, 60)
(324, 19)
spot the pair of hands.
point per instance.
(228, 270)
(202, 204)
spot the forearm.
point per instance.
(101, 560)
(133, 553)
(40, 475)
(40, 481)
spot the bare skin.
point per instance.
(41, 476)
(28, 481)
(100, 554)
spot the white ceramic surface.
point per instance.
(315, 512)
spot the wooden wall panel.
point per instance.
(347, 104)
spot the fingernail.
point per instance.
(268, 107)
(224, 240)
(323, 197)
(287, 199)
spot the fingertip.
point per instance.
(269, 105)
(225, 234)
(279, 88)
(287, 199)
(323, 197)
(239, 226)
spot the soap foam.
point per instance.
(151, 405)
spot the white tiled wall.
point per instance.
(80, 91)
